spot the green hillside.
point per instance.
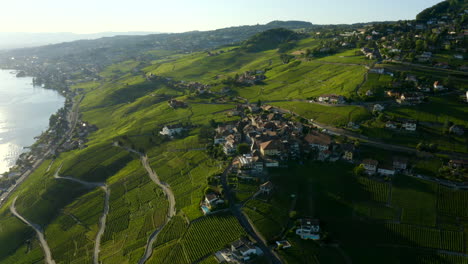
(366, 219)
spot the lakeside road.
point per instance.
(73, 119)
(39, 232)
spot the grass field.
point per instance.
(330, 115)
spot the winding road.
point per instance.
(39, 232)
(170, 197)
(102, 226)
(102, 219)
(245, 223)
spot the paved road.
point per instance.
(39, 232)
(102, 219)
(246, 224)
(170, 197)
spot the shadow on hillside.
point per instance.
(330, 193)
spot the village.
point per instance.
(266, 138)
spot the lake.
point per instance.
(24, 114)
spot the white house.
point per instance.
(310, 229)
(171, 130)
(243, 250)
(410, 126)
(378, 108)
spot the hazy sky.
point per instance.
(89, 16)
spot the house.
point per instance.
(378, 108)
(412, 98)
(392, 93)
(457, 130)
(176, 104)
(331, 98)
(246, 161)
(270, 148)
(458, 164)
(400, 163)
(391, 125)
(212, 200)
(409, 126)
(171, 130)
(369, 93)
(283, 244)
(348, 150)
(267, 187)
(386, 170)
(318, 140)
(438, 86)
(243, 249)
(230, 146)
(458, 56)
(310, 229)
(370, 166)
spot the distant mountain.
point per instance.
(99, 53)
(16, 40)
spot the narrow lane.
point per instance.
(39, 232)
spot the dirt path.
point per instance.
(170, 197)
(102, 226)
(39, 232)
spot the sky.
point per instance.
(91, 16)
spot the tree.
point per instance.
(213, 123)
(359, 170)
(285, 58)
(243, 148)
(259, 103)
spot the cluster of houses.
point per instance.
(251, 77)
(371, 53)
(273, 139)
(239, 252)
(372, 167)
(80, 137)
(407, 125)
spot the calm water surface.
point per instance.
(24, 114)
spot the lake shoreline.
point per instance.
(42, 147)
